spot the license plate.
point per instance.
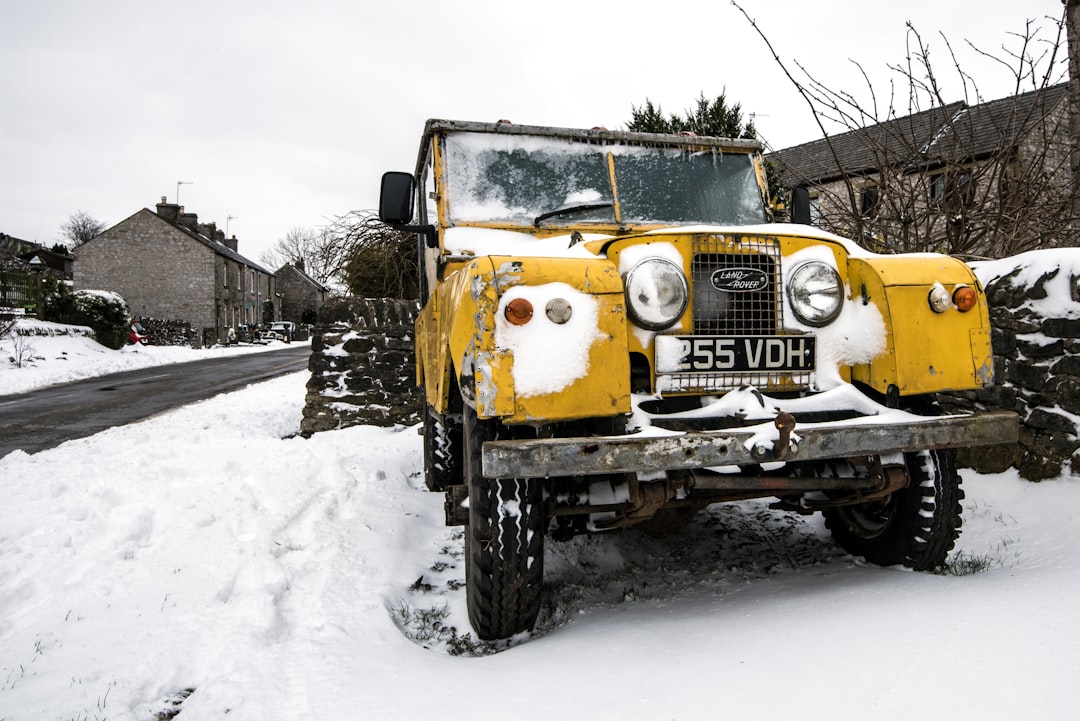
(711, 354)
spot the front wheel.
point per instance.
(504, 541)
(442, 449)
(916, 526)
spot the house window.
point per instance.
(937, 187)
(953, 189)
(868, 200)
(254, 282)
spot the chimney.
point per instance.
(207, 229)
(219, 236)
(299, 264)
(231, 243)
(169, 212)
(188, 220)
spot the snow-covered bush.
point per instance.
(103, 311)
(106, 313)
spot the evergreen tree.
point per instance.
(715, 118)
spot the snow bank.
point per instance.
(284, 578)
(52, 353)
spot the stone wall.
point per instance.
(170, 332)
(362, 366)
(1037, 372)
(363, 370)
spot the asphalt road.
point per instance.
(46, 418)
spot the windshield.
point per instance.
(531, 180)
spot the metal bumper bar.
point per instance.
(870, 436)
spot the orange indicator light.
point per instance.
(519, 311)
(965, 298)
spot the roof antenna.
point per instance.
(178, 184)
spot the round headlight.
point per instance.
(656, 293)
(816, 293)
(939, 298)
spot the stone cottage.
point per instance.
(168, 265)
(990, 179)
(300, 295)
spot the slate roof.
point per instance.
(12, 245)
(953, 132)
(219, 248)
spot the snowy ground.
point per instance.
(50, 353)
(211, 553)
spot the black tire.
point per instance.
(916, 526)
(442, 450)
(504, 542)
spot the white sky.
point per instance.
(285, 114)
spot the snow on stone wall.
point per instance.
(362, 366)
(363, 363)
(1034, 303)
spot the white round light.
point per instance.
(816, 293)
(939, 299)
(656, 293)
(558, 310)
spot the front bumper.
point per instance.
(884, 434)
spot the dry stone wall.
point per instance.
(1037, 370)
(362, 366)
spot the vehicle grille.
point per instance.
(725, 313)
(718, 312)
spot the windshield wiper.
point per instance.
(571, 210)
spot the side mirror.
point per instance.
(396, 197)
(800, 205)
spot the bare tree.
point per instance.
(316, 250)
(295, 246)
(378, 261)
(913, 170)
(355, 252)
(81, 227)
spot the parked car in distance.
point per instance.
(281, 330)
(138, 334)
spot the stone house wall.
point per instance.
(299, 293)
(240, 293)
(166, 265)
(910, 218)
(129, 259)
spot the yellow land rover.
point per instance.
(612, 333)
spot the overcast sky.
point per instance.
(285, 114)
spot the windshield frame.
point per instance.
(609, 150)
